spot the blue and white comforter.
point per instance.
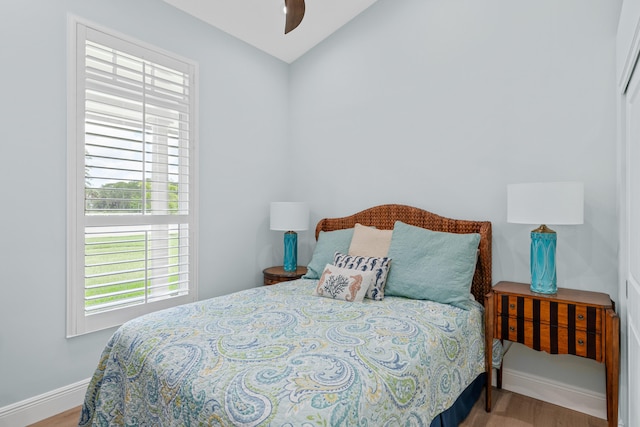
(279, 356)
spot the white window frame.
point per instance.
(78, 322)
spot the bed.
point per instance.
(285, 355)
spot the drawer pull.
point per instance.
(511, 328)
(580, 316)
(512, 306)
(580, 342)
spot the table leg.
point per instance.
(612, 364)
(488, 335)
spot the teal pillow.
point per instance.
(329, 242)
(432, 265)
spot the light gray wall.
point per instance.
(440, 104)
(243, 103)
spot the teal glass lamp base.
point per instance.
(543, 261)
(290, 251)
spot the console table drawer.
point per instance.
(550, 338)
(541, 310)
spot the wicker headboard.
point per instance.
(385, 216)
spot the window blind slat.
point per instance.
(120, 303)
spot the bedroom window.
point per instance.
(132, 190)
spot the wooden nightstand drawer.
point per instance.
(543, 310)
(550, 338)
(268, 281)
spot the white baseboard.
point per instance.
(38, 408)
(561, 394)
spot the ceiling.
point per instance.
(261, 22)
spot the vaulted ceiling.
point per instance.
(261, 22)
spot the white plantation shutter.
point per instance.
(132, 214)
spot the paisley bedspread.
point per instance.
(279, 356)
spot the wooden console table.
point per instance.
(571, 321)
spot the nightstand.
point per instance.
(571, 321)
(273, 275)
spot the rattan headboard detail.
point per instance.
(385, 216)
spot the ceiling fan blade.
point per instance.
(295, 13)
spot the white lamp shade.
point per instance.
(559, 203)
(289, 216)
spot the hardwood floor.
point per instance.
(65, 419)
(509, 410)
(515, 410)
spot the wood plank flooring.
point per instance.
(68, 418)
(509, 410)
(515, 410)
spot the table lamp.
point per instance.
(559, 203)
(290, 217)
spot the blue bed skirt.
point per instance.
(453, 416)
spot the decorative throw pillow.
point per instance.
(432, 265)
(329, 242)
(369, 241)
(344, 283)
(380, 266)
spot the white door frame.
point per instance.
(628, 94)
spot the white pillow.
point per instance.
(369, 241)
(344, 284)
